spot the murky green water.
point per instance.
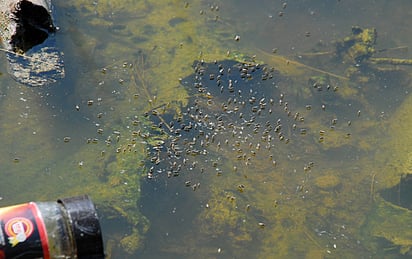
(180, 166)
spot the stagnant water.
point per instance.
(221, 129)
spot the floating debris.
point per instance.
(234, 104)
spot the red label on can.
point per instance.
(22, 232)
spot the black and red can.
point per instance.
(68, 228)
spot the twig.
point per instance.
(316, 54)
(391, 61)
(140, 77)
(405, 48)
(372, 190)
(317, 70)
(296, 63)
(311, 238)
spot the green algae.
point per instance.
(109, 167)
(398, 158)
(388, 221)
(271, 195)
(295, 211)
(237, 217)
(392, 223)
(328, 181)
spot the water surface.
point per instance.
(233, 185)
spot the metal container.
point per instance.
(68, 228)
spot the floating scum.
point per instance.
(259, 139)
